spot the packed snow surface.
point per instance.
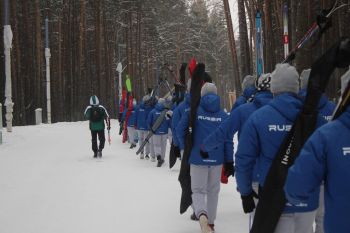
(49, 183)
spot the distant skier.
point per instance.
(325, 157)
(161, 134)
(97, 115)
(206, 167)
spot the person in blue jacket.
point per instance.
(142, 128)
(234, 123)
(161, 134)
(131, 126)
(205, 169)
(260, 139)
(325, 106)
(325, 157)
(152, 102)
(179, 111)
(248, 87)
(326, 109)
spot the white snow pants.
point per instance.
(296, 222)
(159, 142)
(205, 185)
(170, 136)
(255, 187)
(142, 136)
(132, 135)
(320, 213)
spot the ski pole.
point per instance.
(109, 130)
(322, 24)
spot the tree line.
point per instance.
(89, 37)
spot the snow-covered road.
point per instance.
(49, 183)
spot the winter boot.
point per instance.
(212, 227)
(131, 146)
(160, 161)
(153, 158)
(147, 157)
(203, 222)
(99, 153)
(95, 154)
(194, 217)
(142, 156)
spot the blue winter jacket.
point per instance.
(132, 118)
(325, 107)
(178, 112)
(261, 137)
(234, 123)
(325, 156)
(142, 114)
(225, 132)
(247, 93)
(209, 117)
(152, 118)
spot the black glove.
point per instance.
(248, 202)
(204, 154)
(229, 169)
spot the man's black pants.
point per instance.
(101, 138)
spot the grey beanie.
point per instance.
(284, 78)
(248, 80)
(344, 80)
(161, 101)
(264, 82)
(304, 78)
(189, 85)
(208, 88)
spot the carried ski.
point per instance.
(322, 24)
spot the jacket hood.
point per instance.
(249, 91)
(262, 98)
(188, 98)
(323, 100)
(287, 104)
(159, 107)
(210, 103)
(345, 117)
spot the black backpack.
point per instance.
(96, 114)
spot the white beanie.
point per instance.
(161, 101)
(145, 98)
(304, 78)
(208, 88)
(284, 78)
(263, 83)
(344, 81)
(94, 100)
(248, 80)
(169, 99)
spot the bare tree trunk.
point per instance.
(233, 47)
(243, 39)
